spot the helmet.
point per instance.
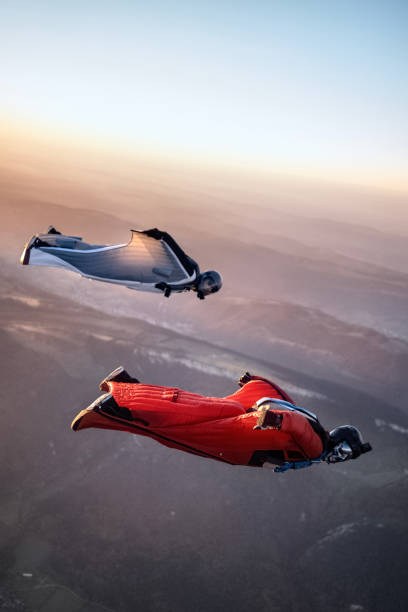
(209, 282)
(346, 442)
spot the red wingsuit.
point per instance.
(217, 428)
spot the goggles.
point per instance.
(341, 452)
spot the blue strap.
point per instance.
(298, 465)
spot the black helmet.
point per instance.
(208, 282)
(346, 442)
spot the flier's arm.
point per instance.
(254, 388)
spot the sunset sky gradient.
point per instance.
(313, 87)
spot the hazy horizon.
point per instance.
(117, 181)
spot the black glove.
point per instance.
(244, 379)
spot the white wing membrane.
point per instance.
(150, 258)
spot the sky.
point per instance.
(312, 87)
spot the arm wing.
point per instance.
(254, 388)
(163, 257)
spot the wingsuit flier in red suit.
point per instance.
(258, 424)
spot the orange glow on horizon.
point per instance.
(20, 136)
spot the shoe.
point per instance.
(119, 375)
